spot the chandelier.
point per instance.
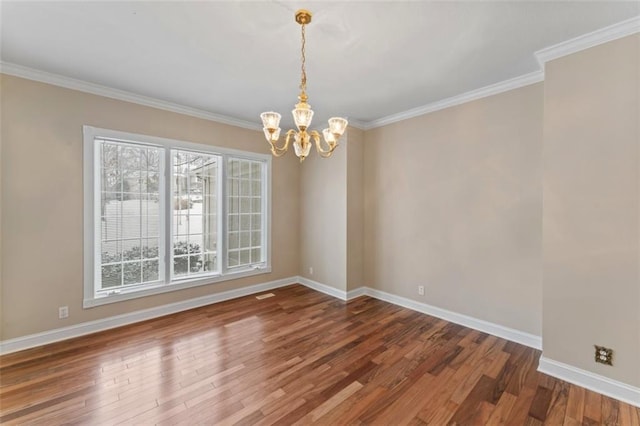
(302, 115)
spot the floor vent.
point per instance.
(265, 296)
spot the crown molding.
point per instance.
(483, 92)
(122, 95)
(361, 125)
(585, 41)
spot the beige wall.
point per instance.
(323, 217)
(42, 200)
(453, 201)
(1, 221)
(332, 202)
(355, 209)
(591, 221)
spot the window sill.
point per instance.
(175, 286)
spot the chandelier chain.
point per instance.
(303, 78)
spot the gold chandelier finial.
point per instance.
(302, 115)
(303, 17)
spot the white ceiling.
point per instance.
(365, 60)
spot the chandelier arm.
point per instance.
(279, 151)
(287, 139)
(324, 153)
(316, 138)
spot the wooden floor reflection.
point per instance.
(298, 357)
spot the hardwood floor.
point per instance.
(299, 357)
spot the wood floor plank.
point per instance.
(629, 416)
(593, 406)
(476, 368)
(540, 404)
(351, 409)
(300, 356)
(330, 403)
(469, 409)
(443, 414)
(610, 411)
(557, 410)
(248, 410)
(437, 398)
(502, 410)
(404, 409)
(575, 405)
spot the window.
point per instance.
(244, 198)
(194, 213)
(128, 218)
(162, 215)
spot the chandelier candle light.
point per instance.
(302, 115)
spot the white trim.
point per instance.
(169, 283)
(323, 288)
(58, 334)
(586, 379)
(169, 288)
(89, 185)
(355, 293)
(511, 334)
(122, 95)
(483, 92)
(138, 138)
(586, 41)
(361, 125)
(597, 383)
(126, 96)
(498, 330)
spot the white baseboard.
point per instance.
(586, 379)
(323, 288)
(511, 334)
(614, 389)
(360, 291)
(58, 334)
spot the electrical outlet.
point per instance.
(604, 355)
(63, 312)
(311, 270)
(421, 290)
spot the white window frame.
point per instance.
(170, 231)
(92, 232)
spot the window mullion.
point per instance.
(121, 206)
(265, 212)
(168, 188)
(187, 172)
(97, 215)
(142, 215)
(223, 211)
